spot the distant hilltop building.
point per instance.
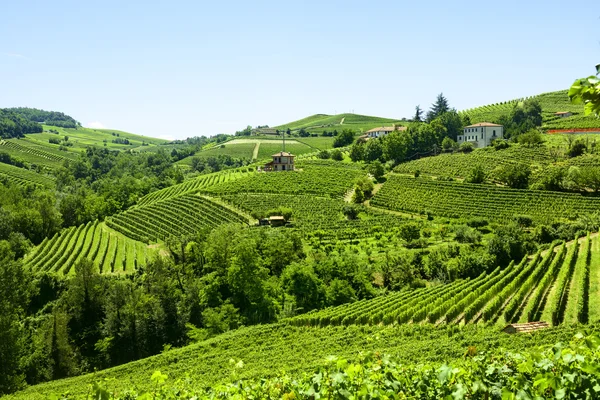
(482, 134)
(383, 130)
(265, 131)
(282, 161)
(563, 114)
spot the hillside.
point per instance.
(319, 122)
(551, 103)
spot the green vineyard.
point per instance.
(325, 180)
(457, 200)
(320, 217)
(560, 285)
(31, 153)
(109, 250)
(178, 216)
(24, 177)
(461, 164)
(194, 185)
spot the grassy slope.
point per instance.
(269, 349)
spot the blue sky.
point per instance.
(183, 68)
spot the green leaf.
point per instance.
(560, 393)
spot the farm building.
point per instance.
(277, 220)
(383, 130)
(282, 161)
(526, 327)
(563, 114)
(481, 134)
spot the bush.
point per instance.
(376, 169)
(464, 234)
(466, 147)
(337, 155)
(358, 196)
(524, 220)
(500, 144)
(477, 222)
(410, 231)
(477, 175)
(323, 154)
(350, 211)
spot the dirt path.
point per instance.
(342, 121)
(255, 152)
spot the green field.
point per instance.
(464, 200)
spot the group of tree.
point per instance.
(53, 118)
(15, 125)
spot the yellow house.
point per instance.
(282, 161)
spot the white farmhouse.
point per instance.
(482, 134)
(383, 130)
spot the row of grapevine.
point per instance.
(518, 292)
(561, 287)
(31, 154)
(321, 218)
(461, 164)
(24, 177)
(194, 185)
(174, 217)
(456, 200)
(332, 181)
(110, 251)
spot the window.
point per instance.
(494, 133)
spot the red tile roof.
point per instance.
(482, 124)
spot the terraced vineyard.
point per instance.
(24, 177)
(456, 200)
(195, 184)
(325, 180)
(320, 217)
(461, 164)
(31, 154)
(176, 216)
(554, 286)
(109, 250)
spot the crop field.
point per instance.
(177, 216)
(323, 181)
(24, 177)
(109, 250)
(196, 184)
(320, 217)
(269, 350)
(456, 200)
(235, 150)
(552, 287)
(461, 164)
(318, 143)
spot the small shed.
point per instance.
(277, 220)
(526, 327)
(563, 114)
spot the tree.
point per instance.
(466, 147)
(337, 155)
(410, 232)
(396, 146)
(449, 144)
(301, 281)
(344, 139)
(357, 152)
(586, 91)
(351, 211)
(577, 148)
(418, 114)
(438, 108)
(531, 138)
(515, 176)
(376, 169)
(340, 292)
(365, 185)
(453, 123)
(323, 154)
(373, 150)
(477, 175)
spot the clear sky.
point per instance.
(175, 69)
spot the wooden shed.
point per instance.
(526, 327)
